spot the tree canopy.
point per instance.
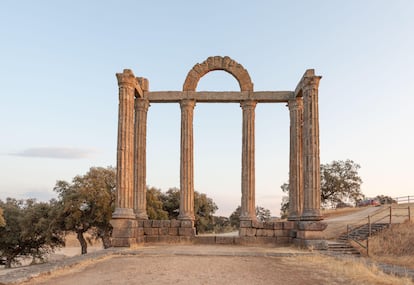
(31, 230)
(262, 215)
(87, 204)
(340, 182)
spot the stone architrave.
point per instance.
(295, 165)
(140, 185)
(248, 206)
(187, 161)
(311, 160)
(125, 150)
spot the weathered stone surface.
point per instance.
(123, 242)
(187, 224)
(309, 235)
(173, 231)
(205, 240)
(265, 233)
(283, 240)
(312, 226)
(187, 161)
(281, 233)
(147, 223)
(152, 238)
(278, 225)
(169, 239)
(246, 224)
(224, 240)
(124, 228)
(140, 231)
(165, 223)
(151, 231)
(265, 240)
(175, 223)
(257, 224)
(218, 63)
(311, 244)
(288, 225)
(250, 232)
(186, 231)
(186, 239)
(163, 231)
(247, 240)
(268, 225)
(156, 223)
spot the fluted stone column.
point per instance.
(140, 185)
(187, 162)
(295, 162)
(125, 148)
(248, 206)
(311, 161)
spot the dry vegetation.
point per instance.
(394, 245)
(356, 270)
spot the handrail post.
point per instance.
(367, 246)
(390, 215)
(369, 226)
(409, 213)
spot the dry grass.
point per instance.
(394, 245)
(357, 270)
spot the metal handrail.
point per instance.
(361, 223)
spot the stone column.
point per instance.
(311, 162)
(248, 205)
(187, 162)
(140, 185)
(125, 148)
(295, 162)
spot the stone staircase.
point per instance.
(362, 232)
(342, 247)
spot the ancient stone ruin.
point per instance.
(130, 221)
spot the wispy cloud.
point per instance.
(55, 152)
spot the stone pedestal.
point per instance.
(310, 234)
(124, 233)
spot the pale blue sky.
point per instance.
(58, 91)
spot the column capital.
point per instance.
(248, 104)
(311, 82)
(141, 104)
(187, 104)
(144, 83)
(295, 104)
(126, 79)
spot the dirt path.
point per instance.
(195, 270)
(337, 225)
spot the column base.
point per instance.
(185, 217)
(294, 217)
(142, 215)
(311, 215)
(123, 213)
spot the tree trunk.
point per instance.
(82, 241)
(106, 240)
(8, 262)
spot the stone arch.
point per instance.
(218, 63)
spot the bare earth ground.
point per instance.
(195, 270)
